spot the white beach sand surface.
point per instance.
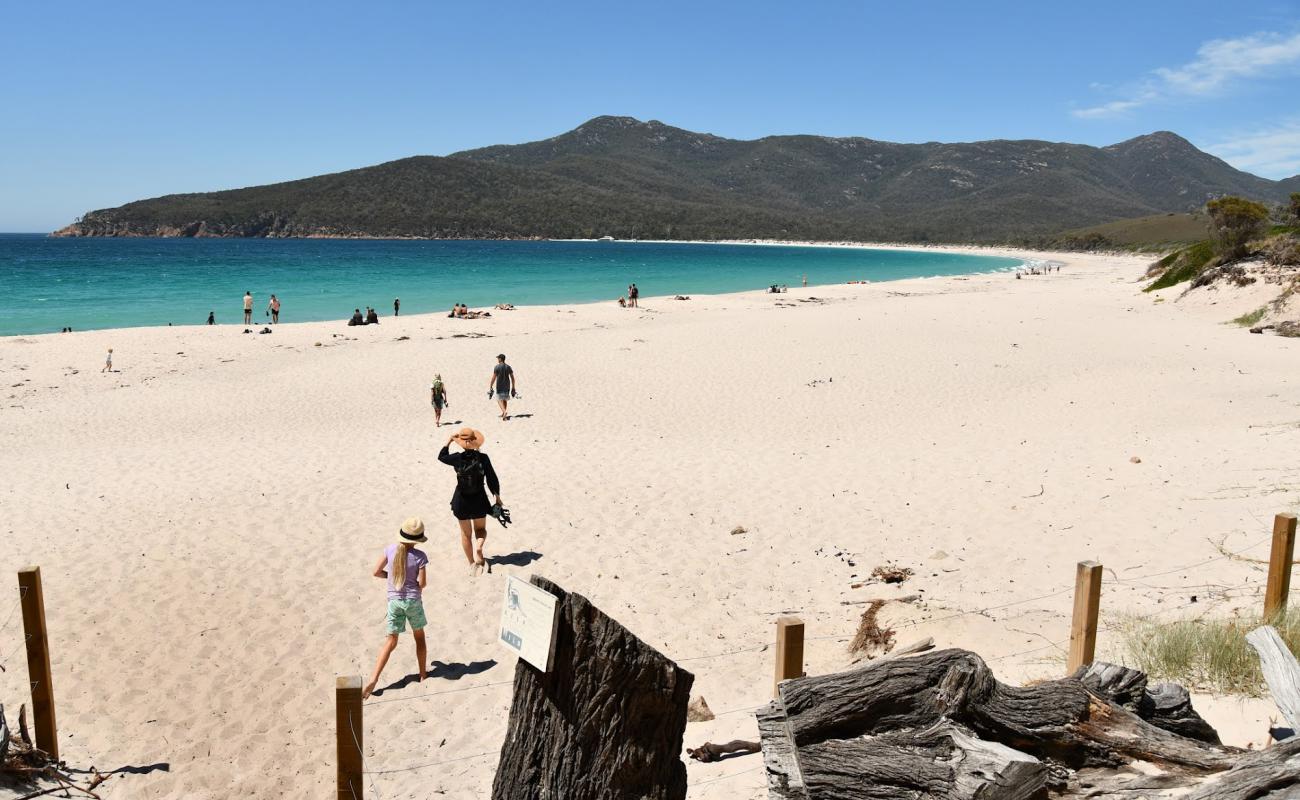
(206, 517)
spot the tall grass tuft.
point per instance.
(1206, 654)
(1251, 317)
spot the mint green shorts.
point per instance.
(402, 611)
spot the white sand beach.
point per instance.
(206, 517)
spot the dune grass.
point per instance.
(1183, 265)
(1251, 317)
(1206, 654)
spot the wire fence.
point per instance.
(1216, 591)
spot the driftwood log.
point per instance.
(939, 726)
(606, 722)
(1165, 705)
(716, 752)
(1281, 672)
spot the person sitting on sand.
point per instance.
(469, 501)
(622, 302)
(505, 307)
(462, 311)
(356, 318)
(404, 567)
(438, 397)
(372, 317)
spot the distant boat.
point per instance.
(605, 239)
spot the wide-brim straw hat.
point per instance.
(412, 531)
(470, 439)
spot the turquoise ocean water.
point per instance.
(48, 284)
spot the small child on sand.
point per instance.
(438, 396)
(404, 567)
(108, 362)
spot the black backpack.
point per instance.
(470, 472)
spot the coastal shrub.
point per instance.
(1206, 654)
(1283, 250)
(1235, 221)
(1184, 265)
(1294, 208)
(1251, 317)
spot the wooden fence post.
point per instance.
(1087, 601)
(1279, 566)
(38, 660)
(789, 650)
(349, 735)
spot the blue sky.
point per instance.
(103, 103)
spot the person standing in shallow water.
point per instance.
(397, 306)
(248, 308)
(469, 502)
(502, 386)
(403, 565)
(274, 308)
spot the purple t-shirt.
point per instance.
(415, 559)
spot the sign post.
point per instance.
(528, 616)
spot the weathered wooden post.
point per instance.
(789, 650)
(1087, 602)
(349, 736)
(38, 660)
(1279, 565)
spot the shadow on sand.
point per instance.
(453, 671)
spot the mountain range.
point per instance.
(621, 177)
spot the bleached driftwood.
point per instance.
(1281, 672)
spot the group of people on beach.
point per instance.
(371, 317)
(403, 565)
(502, 387)
(632, 298)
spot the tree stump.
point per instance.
(606, 722)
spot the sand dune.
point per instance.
(205, 518)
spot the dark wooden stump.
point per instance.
(606, 722)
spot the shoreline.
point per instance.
(971, 250)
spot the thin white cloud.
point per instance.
(1272, 152)
(1111, 109)
(1218, 64)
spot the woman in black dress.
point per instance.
(469, 503)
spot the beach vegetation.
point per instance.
(1251, 317)
(1293, 209)
(1236, 222)
(1183, 265)
(1282, 250)
(1206, 654)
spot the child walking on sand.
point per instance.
(404, 567)
(438, 396)
(108, 362)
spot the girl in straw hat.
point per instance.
(469, 503)
(403, 565)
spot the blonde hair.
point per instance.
(397, 569)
